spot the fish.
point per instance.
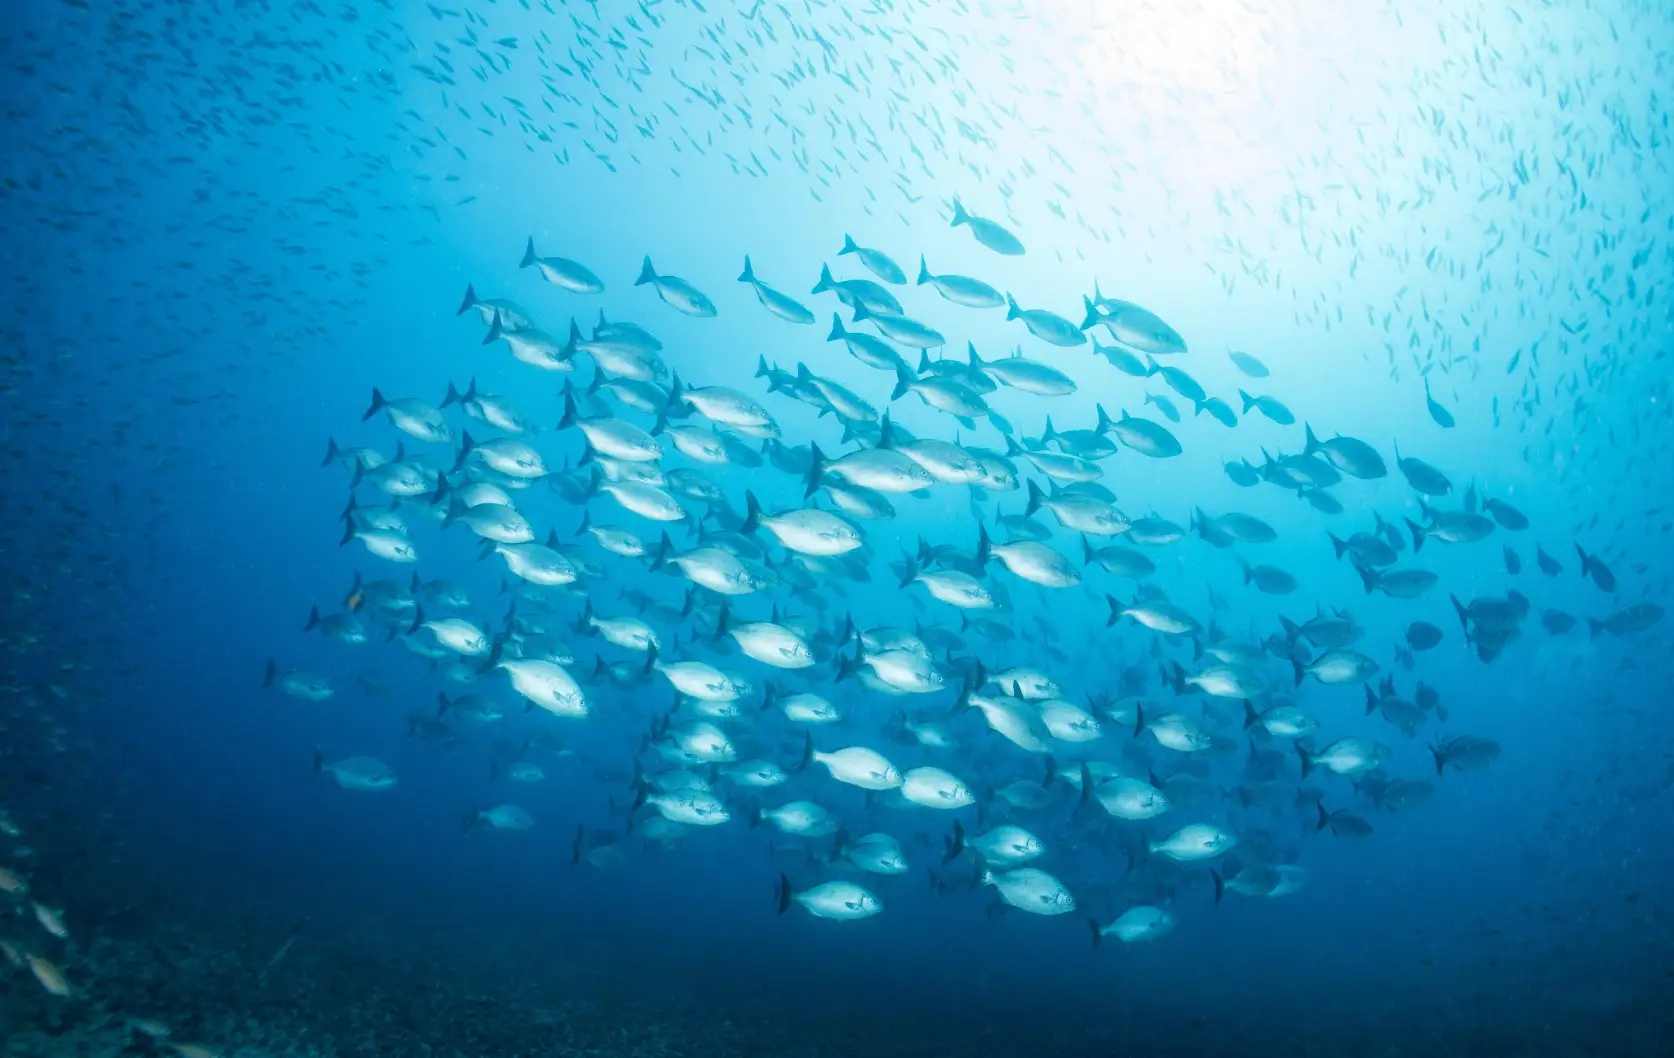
(877, 262)
(961, 290)
(838, 900)
(1048, 326)
(779, 304)
(561, 272)
(363, 774)
(677, 293)
(987, 232)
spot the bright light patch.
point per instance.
(1218, 49)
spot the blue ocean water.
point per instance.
(229, 222)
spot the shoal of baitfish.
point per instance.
(773, 697)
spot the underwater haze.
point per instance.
(706, 527)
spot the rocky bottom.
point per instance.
(369, 997)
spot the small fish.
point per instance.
(781, 305)
(676, 293)
(877, 262)
(842, 901)
(987, 232)
(1440, 415)
(49, 976)
(1248, 364)
(562, 272)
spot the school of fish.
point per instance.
(678, 554)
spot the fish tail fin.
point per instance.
(985, 546)
(1464, 614)
(909, 571)
(1220, 885)
(749, 273)
(1594, 628)
(313, 619)
(837, 332)
(332, 451)
(1036, 497)
(826, 282)
(496, 329)
(784, 894)
(1338, 544)
(926, 553)
(569, 350)
(1088, 554)
(659, 558)
(1306, 757)
(466, 444)
(955, 843)
(1012, 311)
(886, 432)
(1368, 577)
(816, 470)
(959, 214)
(903, 382)
(570, 417)
(647, 274)
(1091, 319)
(528, 253)
(319, 760)
(1299, 670)
(1116, 608)
(1311, 444)
(1251, 717)
(1097, 932)
(923, 271)
(378, 404)
(1249, 401)
(1106, 423)
(848, 246)
(469, 301)
(1418, 534)
(846, 666)
(271, 675)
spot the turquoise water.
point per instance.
(228, 223)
